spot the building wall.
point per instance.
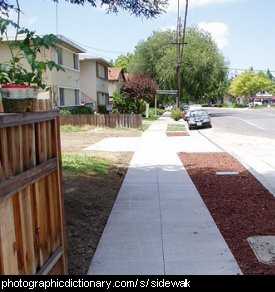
(91, 85)
(69, 79)
(88, 82)
(113, 86)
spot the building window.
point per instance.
(76, 61)
(101, 71)
(61, 97)
(59, 54)
(76, 94)
(102, 98)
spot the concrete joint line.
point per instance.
(161, 228)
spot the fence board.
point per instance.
(9, 261)
(109, 121)
(31, 195)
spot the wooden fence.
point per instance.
(110, 121)
(32, 234)
(41, 104)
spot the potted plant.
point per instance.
(22, 76)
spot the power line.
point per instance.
(102, 50)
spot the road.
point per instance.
(249, 135)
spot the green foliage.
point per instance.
(127, 106)
(115, 111)
(29, 49)
(139, 8)
(149, 53)
(249, 83)
(102, 109)
(65, 112)
(81, 110)
(77, 164)
(204, 70)
(176, 114)
(237, 105)
(74, 129)
(78, 110)
(123, 61)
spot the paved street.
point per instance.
(249, 135)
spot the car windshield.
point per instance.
(200, 113)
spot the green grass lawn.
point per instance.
(175, 128)
(144, 127)
(151, 118)
(79, 164)
(74, 129)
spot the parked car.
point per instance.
(191, 107)
(199, 118)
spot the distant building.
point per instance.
(94, 81)
(265, 98)
(64, 86)
(116, 77)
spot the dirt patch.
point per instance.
(77, 141)
(240, 205)
(88, 203)
(89, 199)
(175, 134)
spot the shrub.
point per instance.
(81, 110)
(237, 105)
(115, 111)
(64, 112)
(102, 109)
(127, 106)
(176, 114)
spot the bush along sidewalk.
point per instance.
(176, 114)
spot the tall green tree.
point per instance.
(143, 8)
(122, 61)
(148, 53)
(204, 69)
(249, 83)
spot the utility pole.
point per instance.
(56, 18)
(178, 64)
(180, 42)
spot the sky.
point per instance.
(244, 30)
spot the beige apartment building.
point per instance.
(116, 77)
(94, 81)
(64, 85)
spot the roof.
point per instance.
(70, 44)
(86, 57)
(114, 73)
(65, 42)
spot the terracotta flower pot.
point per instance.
(18, 98)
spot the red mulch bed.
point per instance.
(174, 134)
(240, 205)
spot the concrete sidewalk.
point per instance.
(159, 224)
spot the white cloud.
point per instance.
(173, 4)
(218, 30)
(168, 27)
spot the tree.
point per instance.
(204, 70)
(249, 83)
(149, 53)
(144, 8)
(138, 89)
(123, 61)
